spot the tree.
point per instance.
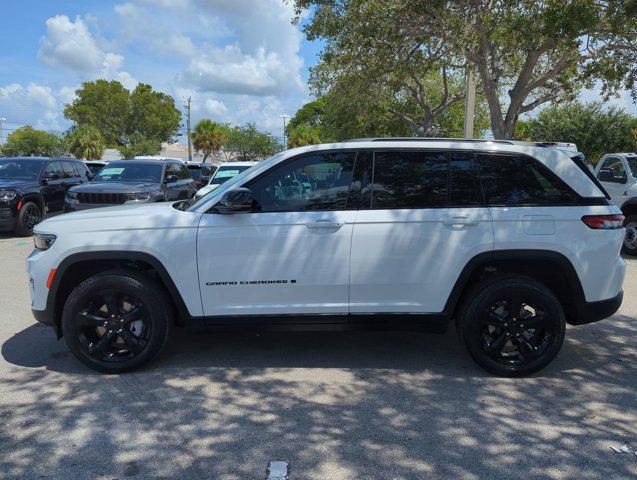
(248, 143)
(209, 136)
(126, 120)
(27, 141)
(304, 134)
(85, 142)
(140, 146)
(526, 52)
(593, 128)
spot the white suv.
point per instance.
(512, 241)
(617, 172)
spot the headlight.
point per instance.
(43, 241)
(7, 194)
(71, 195)
(137, 196)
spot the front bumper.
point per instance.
(8, 215)
(591, 312)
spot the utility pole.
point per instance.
(188, 127)
(285, 116)
(2, 119)
(469, 104)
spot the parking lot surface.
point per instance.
(336, 405)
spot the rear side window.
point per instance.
(404, 179)
(515, 180)
(464, 189)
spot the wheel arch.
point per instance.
(34, 198)
(548, 267)
(629, 207)
(77, 267)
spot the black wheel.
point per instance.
(630, 240)
(28, 217)
(512, 326)
(116, 321)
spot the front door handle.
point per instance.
(460, 222)
(324, 225)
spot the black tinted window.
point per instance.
(520, 180)
(409, 180)
(53, 170)
(314, 182)
(69, 170)
(463, 181)
(195, 172)
(183, 172)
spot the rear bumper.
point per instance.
(595, 311)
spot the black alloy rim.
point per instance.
(516, 331)
(31, 217)
(113, 326)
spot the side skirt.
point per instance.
(434, 323)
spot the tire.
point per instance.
(506, 343)
(117, 321)
(28, 217)
(629, 247)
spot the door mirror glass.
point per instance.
(237, 200)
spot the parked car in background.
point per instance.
(224, 173)
(201, 173)
(34, 188)
(617, 172)
(508, 241)
(132, 182)
(94, 166)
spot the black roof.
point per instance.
(40, 159)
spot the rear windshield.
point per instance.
(130, 172)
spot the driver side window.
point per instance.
(312, 182)
(616, 165)
(53, 171)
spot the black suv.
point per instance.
(32, 188)
(131, 182)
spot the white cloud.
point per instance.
(70, 45)
(31, 104)
(216, 107)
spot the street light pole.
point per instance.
(2, 119)
(285, 116)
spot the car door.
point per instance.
(186, 183)
(292, 256)
(71, 176)
(53, 190)
(171, 181)
(615, 185)
(422, 222)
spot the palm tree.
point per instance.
(86, 142)
(209, 136)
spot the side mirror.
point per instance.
(44, 182)
(170, 178)
(237, 200)
(90, 175)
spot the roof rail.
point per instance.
(426, 139)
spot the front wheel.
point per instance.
(28, 217)
(630, 239)
(512, 326)
(116, 322)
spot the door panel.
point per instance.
(54, 192)
(265, 263)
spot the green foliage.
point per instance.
(85, 142)
(210, 136)
(593, 128)
(128, 121)
(304, 134)
(29, 142)
(248, 143)
(140, 146)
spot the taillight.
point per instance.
(604, 222)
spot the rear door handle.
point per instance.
(460, 222)
(324, 224)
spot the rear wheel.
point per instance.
(630, 240)
(28, 217)
(512, 326)
(116, 322)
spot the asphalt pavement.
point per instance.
(335, 405)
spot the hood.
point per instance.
(115, 187)
(9, 184)
(144, 216)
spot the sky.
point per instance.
(239, 60)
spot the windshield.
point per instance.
(226, 172)
(632, 163)
(194, 203)
(20, 169)
(130, 172)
